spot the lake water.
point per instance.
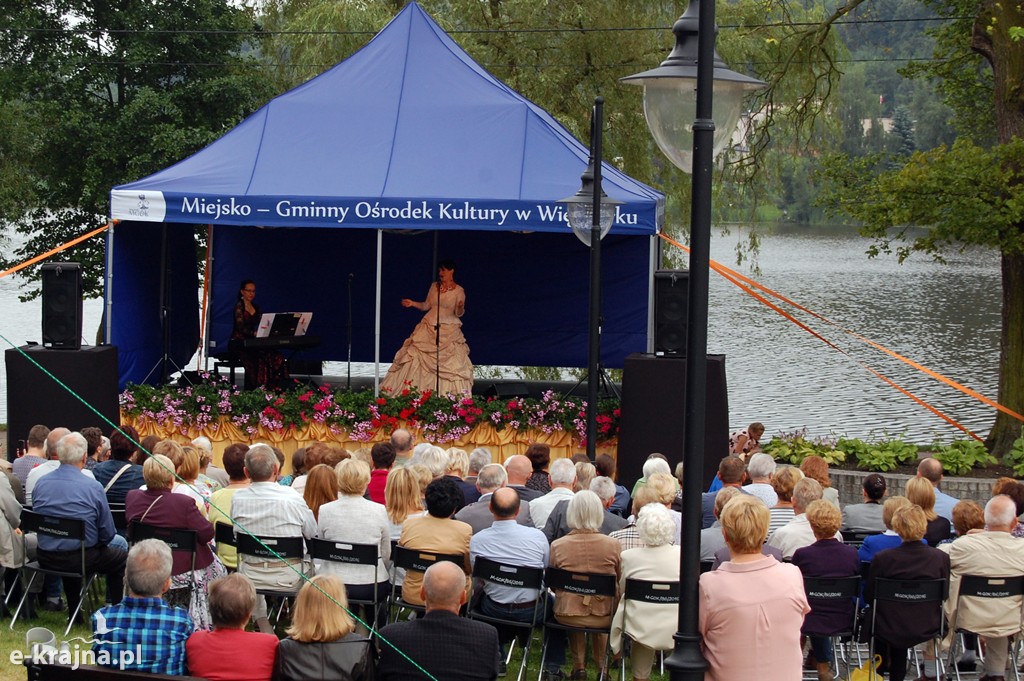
(945, 317)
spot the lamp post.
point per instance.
(670, 103)
(590, 214)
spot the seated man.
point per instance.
(797, 533)
(229, 652)
(143, 633)
(66, 493)
(478, 514)
(446, 646)
(557, 525)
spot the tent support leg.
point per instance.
(376, 321)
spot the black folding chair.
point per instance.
(178, 539)
(415, 560)
(350, 553)
(120, 520)
(58, 528)
(836, 590)
(976, 586)
(583, 584)
(897, 593)
(646, 591)
(271, 550)
(224, 533)
(517, 577)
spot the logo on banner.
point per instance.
(137, 205)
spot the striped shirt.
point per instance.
(267, 509)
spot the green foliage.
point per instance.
(1015, 457)
(961, 456)
(793, 447)
(884, 455)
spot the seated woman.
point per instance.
(826, 557)
(540, 457)
(752, 607)
(118, 474)
(262, 367)
(322, 643)
(888, 539)
(649, 625)
(898, 627)
(355, 519)
(921, 492)
(783, 482)
(157, 506)
(867, 517)
(816, 468)
(229, 652)
(585, 549)
(321, 488)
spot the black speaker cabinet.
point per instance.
(653, 408)
(62, 305)
(35, 397)
(671, 288)
(508, 390)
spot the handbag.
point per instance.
(864, 625)
(868, 671)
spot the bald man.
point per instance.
(931, 470)
(437, 642)
(519, 470)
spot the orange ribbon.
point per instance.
(44, 256)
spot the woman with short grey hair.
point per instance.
(649, 625)
(585, 550)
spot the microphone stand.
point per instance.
(348, 379)
(437, 339)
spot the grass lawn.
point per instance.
(15, 640)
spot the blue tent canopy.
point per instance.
(407, 135)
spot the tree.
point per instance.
(902, 133)
(113, 90)
(970, 193)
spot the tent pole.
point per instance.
(376, 321)
(108, 326)
(204, 357)
(437, 323)
(652, 267)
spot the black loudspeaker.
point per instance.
(34, 397)
(507, 390)
(62, 305)
(671, 288)
(653, 409)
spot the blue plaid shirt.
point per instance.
(148, 625)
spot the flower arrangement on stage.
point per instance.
(442, 418)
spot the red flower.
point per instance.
(405, 392)
(381, 401)
(305, 397)
(279, 402)
(406, 413)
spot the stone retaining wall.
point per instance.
(848, 484)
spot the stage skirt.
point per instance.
(415, 362)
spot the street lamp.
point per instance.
(670, 102)
(591, 213)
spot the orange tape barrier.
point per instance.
(44, 256)
(745, 284)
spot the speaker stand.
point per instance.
(605, 387)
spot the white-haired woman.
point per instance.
(585, 549)
(649, 625)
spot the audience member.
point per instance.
(816, 468)
(912, 559)
(402, 441)
(921, 492)
(606, 468)
(539, 456)
(629, 536)
(118, 474)
(655, 463)
(478, 514)
(649, 625)
(267, 509)
(221, 501)
(557, 525)
(867, 517)
(214, 472)
(383, 455)
(13, 544)
(94, 439)
(826, 558)
(458, 469)
(143, 627)
(436, 531)
(711, 539)
(751, 608)
(322, 643)
(478, 458)
(931, 470)
(229, 652)
(585, 472)
(66, 493)
(356, 520)
(732, 471)
(519, 470)
(760, 469)
(888, 539)
(404, 499)
(664, 487)
(562, 478)
(797, 533)
(783, 483)
(585, 549)
(298, 468)
(436, 461)
(993, 552)
(34, 454)
(321, 488)
(157, 506)
(508, 542)
(448, 647)
(52, 446)
(315, 455)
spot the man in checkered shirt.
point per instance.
(628, 536)
(142, 632)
